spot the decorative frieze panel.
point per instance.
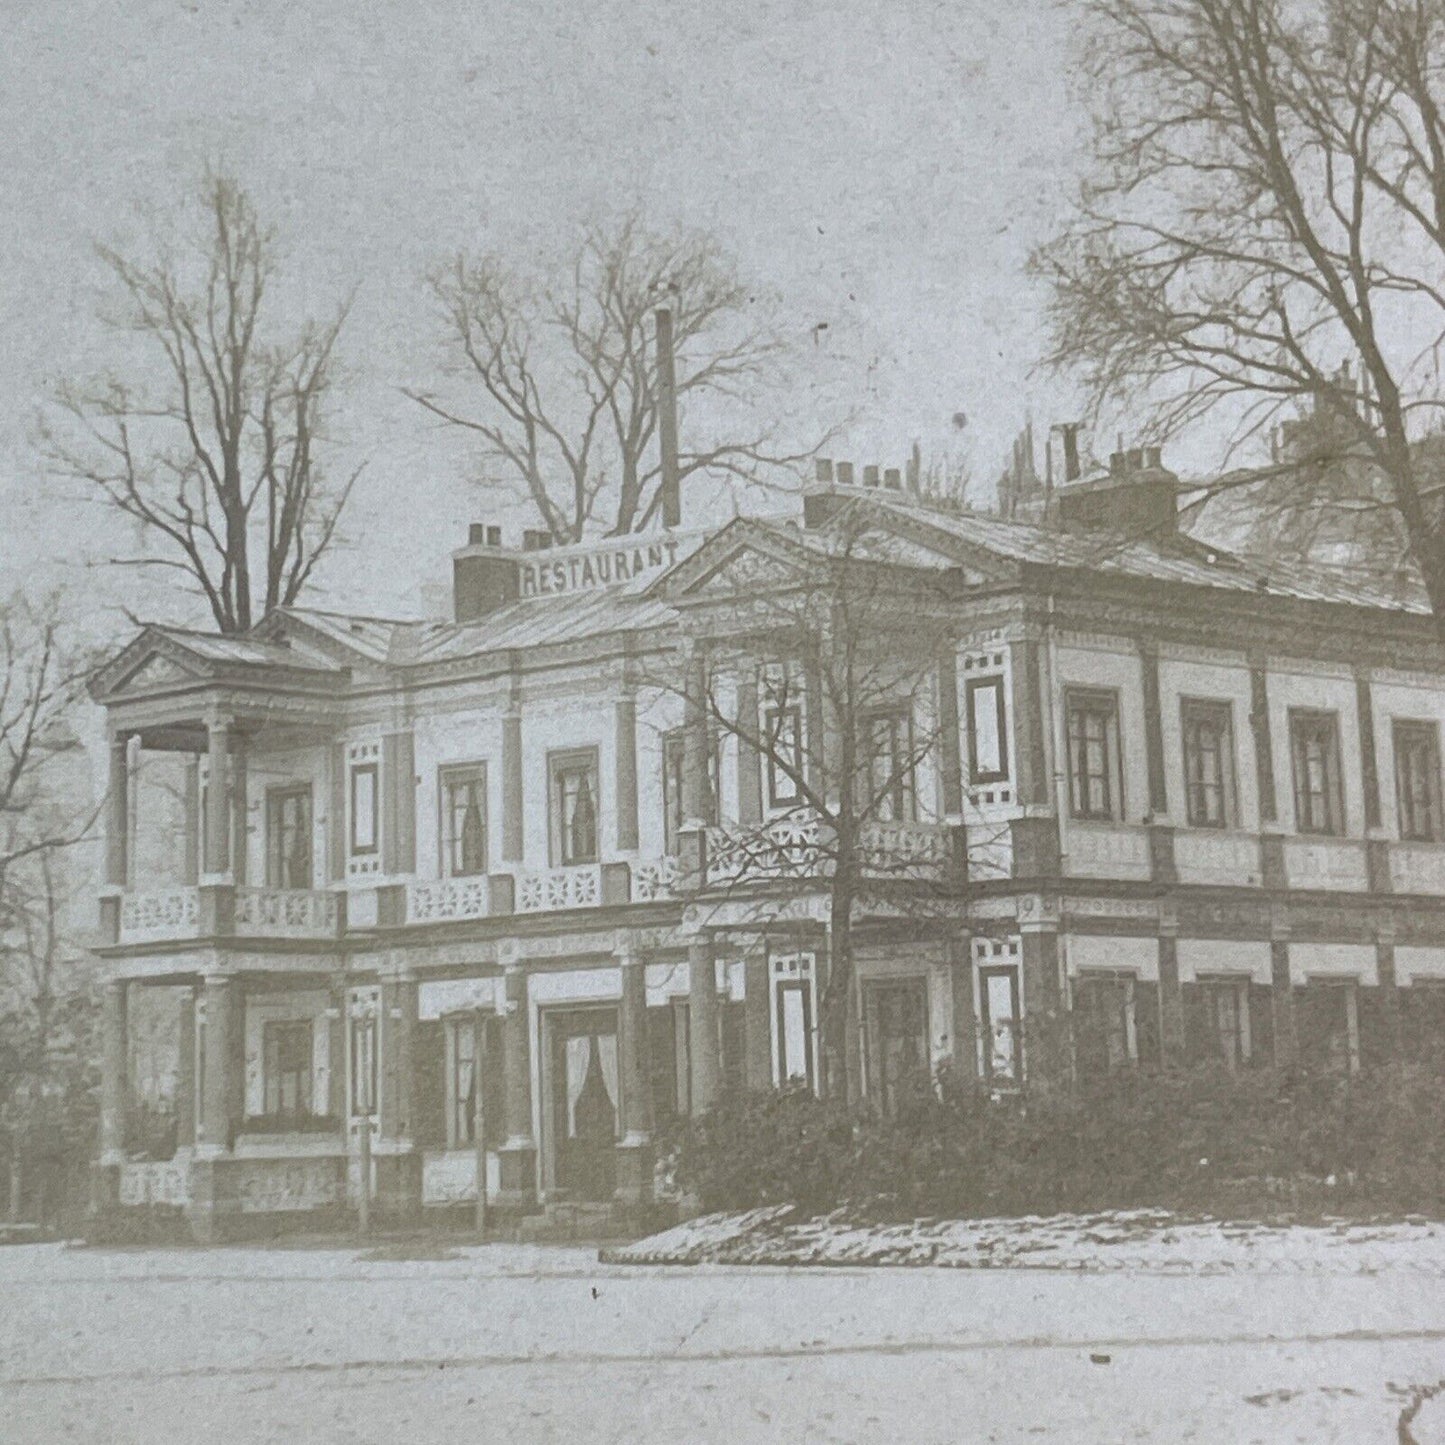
(155, 1182)
(1108, 851)
(156, 916)
(1417, 868)
(447, 900)
(1218, 859)
(783, 848)
(273, 1186)
(1325, 865)
(286, 913)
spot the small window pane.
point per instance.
(363, 809)
(987, 752)
(465, 802)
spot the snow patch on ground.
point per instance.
(1125, 1240)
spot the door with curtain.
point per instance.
(586, 1113)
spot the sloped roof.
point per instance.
(1167, 560)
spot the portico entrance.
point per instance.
(585, 1100)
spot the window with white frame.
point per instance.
(464, 821)
(1001, 1024)
(1208, 737)
(574, 821)
(364, 806)
(286, 1069)
(288, 837)
(1417, 780)
(783, 735)
(986, 720)
(794, 1008)
(1104, 1023)
(1226, 1020)
(1096, 790)
(888, 765)
(1315, 752)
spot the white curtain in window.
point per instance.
(607, 1056)
(578, 1056)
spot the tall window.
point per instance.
(363, 1064)
(987, 736)
(363, 808)
(1417, 780)
(286, 1069)
(1095, 785)
(887, 771)
(1226, 1019)
(464, 821)
(783, 733)
(288, 838)
(674, 771)
(1208, 763)
(1001, 1024)
(462, 1090)
(1105, 1024)
(574, 808)
(1315, 746)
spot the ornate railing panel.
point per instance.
(1417, 868)
(1322, 865)
(558, 888)
(783, 848)
(654, 879)
(1108, 850)
(903, 850)
(1224, 859)
(285, 913)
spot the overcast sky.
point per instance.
(884, 167)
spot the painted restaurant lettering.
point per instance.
(599, 568)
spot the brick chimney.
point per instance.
(485, 574)
(1138, 498)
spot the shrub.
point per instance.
(1204, 1140)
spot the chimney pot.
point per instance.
(1116, 464)
(1136, 458)
(825, 469)
(845, 474)
(494, 536)
(477, 534)
(893, 479)
(870, 476)
(1153, 457)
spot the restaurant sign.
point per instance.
(587, 569)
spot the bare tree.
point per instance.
(1264, 227)
(209, 439)
(843, 662)
(559, 382)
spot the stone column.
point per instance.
(750, 760)
(1171, 1003)
(950, 752)
(634, 1152)
(624, 724)
(1045, 1053)
(964, 1043)
(1153, 729)
(704, 1063)
(1389, 986)
(398, 803)
(114, 1074)
(191, 856)
(1030, 722)
(396, 1161)
(513, 839)
(517, 1157)
(218, 822)
(240, 810)
(186, 1071)
(1286, 1041)
(758, 1015)
(696, 785)
(336, 815)
(117, 833)
(1369, 762)
(223, 1084)
(1259, 724)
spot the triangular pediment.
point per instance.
(154, 672)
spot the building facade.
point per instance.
(550, 871)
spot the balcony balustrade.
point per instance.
(550, 889)
(179, 914)
(1417, 868)
(802, 848)
(448, 900)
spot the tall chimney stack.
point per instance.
(667, 421)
